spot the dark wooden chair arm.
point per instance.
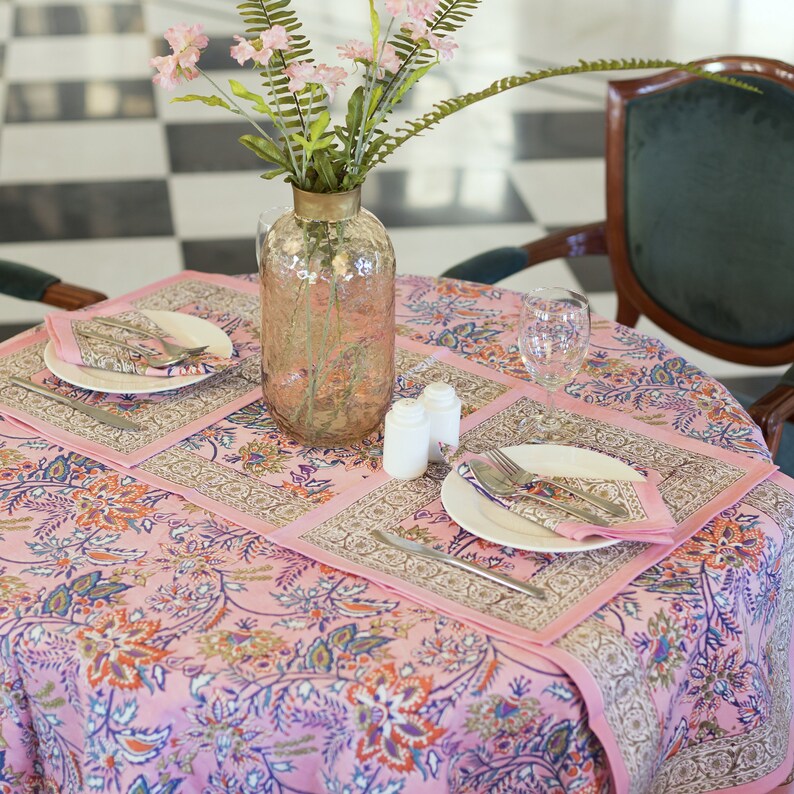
(575, 241)
(70, 296)
(771, 411)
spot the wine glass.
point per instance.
(553, 336)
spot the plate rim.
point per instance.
(184, 380)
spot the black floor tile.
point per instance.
(443, 197)
(84, 211)
(80, 100)
(554, 135)
(212, 147)
(74, 20)
(7, 330)
(220, 256)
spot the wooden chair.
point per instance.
(700, 217)
(29, 283)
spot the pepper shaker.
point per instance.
(443, 408)
(406, 439)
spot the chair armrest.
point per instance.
(575, 241)
(70, 296)
(31, 284)
(771, 411)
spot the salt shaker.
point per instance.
(443, 408)
(406, 440)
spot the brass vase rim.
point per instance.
(328, 207)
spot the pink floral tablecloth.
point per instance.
(149, 645)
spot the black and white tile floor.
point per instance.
(105, 183)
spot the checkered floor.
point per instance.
(105, 183)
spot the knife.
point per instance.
(89, 410)
(426, 551)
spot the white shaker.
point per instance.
(443, 408)
(405, 441)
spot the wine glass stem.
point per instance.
(549, 417)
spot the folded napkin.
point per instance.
(649, 520)
(77, 349)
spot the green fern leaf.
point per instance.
(377, 152)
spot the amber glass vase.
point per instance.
(327, 285)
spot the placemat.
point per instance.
(325, 503)
(166, 417)
(699, 482)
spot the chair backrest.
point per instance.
(700, 206)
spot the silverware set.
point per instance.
(520, 476)
(172, 354)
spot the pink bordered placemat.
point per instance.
(699, 481)
(165, 418)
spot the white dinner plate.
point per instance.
(186, 329)
(491, 522)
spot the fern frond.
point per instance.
(260, 15)
(379, 151)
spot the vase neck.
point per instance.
(328, 207)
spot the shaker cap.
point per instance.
(439, 395)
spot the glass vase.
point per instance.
(327, 294)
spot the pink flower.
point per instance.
(299, 74)
(422, 9)
(355, 49)
(171, 69)
(180, 37)
(417, 29)
(244, 51)
(166, 76)
(303, 72)
(395, 7)
(330, 78)
(389, 60)
(443, 46)
(276, 38)
(186, 44)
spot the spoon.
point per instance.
(495, 483)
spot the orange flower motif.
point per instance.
(388, 713)
(723, 543)
(107, 504)
(116, 648)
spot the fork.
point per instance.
(156, 361)
(169, 348)
(521, 476)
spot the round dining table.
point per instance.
(202, 608)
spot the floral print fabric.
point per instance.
(146, 645)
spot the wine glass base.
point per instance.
(535, 431)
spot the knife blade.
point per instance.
(412, 547)
(99, 414)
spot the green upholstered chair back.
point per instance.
(708, 206)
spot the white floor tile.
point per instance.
(114, 267)
(562, 192)
(5, 22)
(221, 206)
(219, 20)
(84, 151)
(78, 57)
